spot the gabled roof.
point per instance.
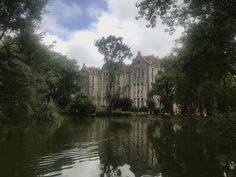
(149, 59)
(90, 69)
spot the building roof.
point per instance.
(91, 70)
(149, 59)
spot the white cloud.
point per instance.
(119, 20)
(50, 25)
(94, 11)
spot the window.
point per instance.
(142, 73)
(138, 77)
(141, 84)
(134, 84)
(137, 84)
(152, 73)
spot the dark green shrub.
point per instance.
(124, 104)
(47, 112)
(81, 104)
(151, 104)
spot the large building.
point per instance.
(136, 79)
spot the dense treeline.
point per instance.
(200, 75)
(34, 81)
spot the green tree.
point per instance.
(114, 51)
(207, 54)
(16, 16)
(34, 81)
(81, 104)
(207, 59)
(151, 103)
(176, 13)
(165, 84)
(122, 103)
(62, 77)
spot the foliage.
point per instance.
(62, 77)
(114, 51)
(164, 84)
(16, 17)
(34, 81)
(126, 104)
(17, 95)
(151, 103)
(204, 67)
(47, 111)
(101, 110)
(81, 104)
(122, 103)
(207, 63)
(183, 13)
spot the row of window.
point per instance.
(138, 99)
(138, 84)
(139, 91)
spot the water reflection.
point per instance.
(115, 148)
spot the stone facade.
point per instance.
(136, 79)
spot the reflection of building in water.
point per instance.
(130, 146)
(176, 127)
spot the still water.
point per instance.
(97, 147)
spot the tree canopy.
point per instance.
(205, 61)
(35, 81)
(182, 13)
(115, 52)
(16, 15)
(113, 49)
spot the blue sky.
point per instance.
(76, 24)
(76, 14)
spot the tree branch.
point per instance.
(3, 32)
(8, 45)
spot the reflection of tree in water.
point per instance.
(186, 151)
(121, 171)
(35, 150)
(110, 151)
(129, 145)
(150, 147)
(224, 131)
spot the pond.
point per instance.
(110, 147)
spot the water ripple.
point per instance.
(51, 165)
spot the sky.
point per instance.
(72, 26)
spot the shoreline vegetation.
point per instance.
(38, 84)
